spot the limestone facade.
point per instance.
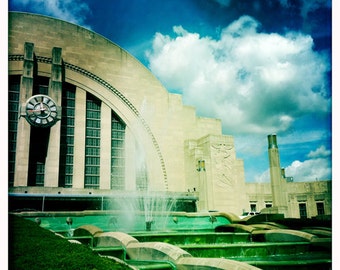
(142, 137)
(307, 199)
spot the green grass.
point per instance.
(32, 247)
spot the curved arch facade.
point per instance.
(98, 78)
(120, 131)
(167, 148)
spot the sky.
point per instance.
(261, 66)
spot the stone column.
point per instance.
(55, 92)
(24, 130)
(79, 139)
(277, 181)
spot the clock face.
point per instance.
(41, 111)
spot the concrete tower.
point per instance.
(278, 182)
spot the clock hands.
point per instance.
(41, 109)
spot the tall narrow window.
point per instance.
(117, 153)
(37, 156)
(92, 142)
(38, 142)
(320, 208)
(13, 110)
(67, 137)
(303, 210)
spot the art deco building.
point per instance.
(88, 120)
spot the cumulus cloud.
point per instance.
(321, 152)
(257, 83)
(310, 170)
(263, 178)
(316, 168)
(74, 11)
(253, 81)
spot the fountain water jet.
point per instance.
(155, 208)
(69, 222)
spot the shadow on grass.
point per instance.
(32, 247)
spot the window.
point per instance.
(92, 142)
(42, 85)
(40, 174)
(117, 153)
(38, 141)
(320, 208)
(268, 205)
(37, 155)
(13, 107)
(67, 136)
(253, 207)
(303, 210)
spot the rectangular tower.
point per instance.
(278, 182)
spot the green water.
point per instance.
(196, 234)
(133, 223)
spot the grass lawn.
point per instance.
(32, 247)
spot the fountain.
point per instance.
(181, 240)
(129, 210)
(153, 230)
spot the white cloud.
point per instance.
(74, 11)
(316, 167)
(310, 170)
(321, 152)
(263, 178)
(255, 82)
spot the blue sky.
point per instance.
(262, 67)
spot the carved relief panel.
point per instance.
(222, 161)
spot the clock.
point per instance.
(41, 111)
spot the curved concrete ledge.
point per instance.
(155, 251)
(275, 225)
(211, 263)
(230, 216)
(235, 228)
(319, 232)
(282, 235)
(58, 234)
(87, 230)
(256, 219)
(264, 226)
(113, 239)
(74, 241)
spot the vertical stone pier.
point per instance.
(277, 180)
